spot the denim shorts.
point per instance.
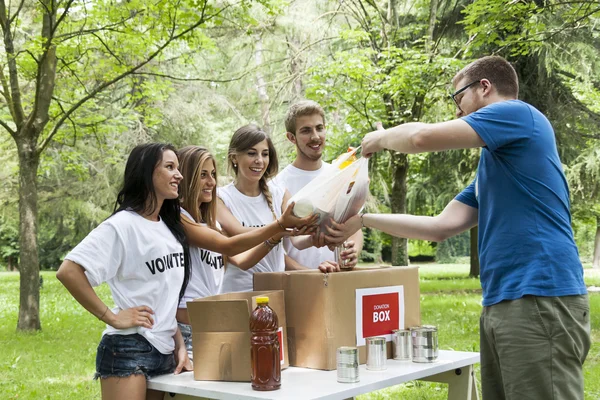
(126, 355)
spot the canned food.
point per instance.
(424, 344)
(402, 344)
(376, 353)
(337, 252)
(347, 364)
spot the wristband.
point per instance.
(280, 224)
(103, 314)
(272, 243)
(362, 223)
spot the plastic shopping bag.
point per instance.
(338, 193)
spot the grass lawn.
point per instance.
(58, 362)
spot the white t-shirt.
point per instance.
(252, 212)
(142, 263)
(294, 179)
(207, 272)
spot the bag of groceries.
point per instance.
(339, 193)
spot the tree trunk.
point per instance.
(296, 68)
(29, 306)
(392, 13)
(398, 201)
(433, 8)
(261, 87)
(474, 271)
(12, 265)
(596, 259)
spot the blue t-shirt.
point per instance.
(526, 244)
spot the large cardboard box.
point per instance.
(221, 334)
(327, 311)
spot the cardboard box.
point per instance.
(327, 311)
(221, 334)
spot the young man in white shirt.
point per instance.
(305, 126)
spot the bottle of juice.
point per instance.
(265, 355)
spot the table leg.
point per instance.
(461, 383)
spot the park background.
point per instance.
(82, 82)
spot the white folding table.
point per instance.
(452, 367)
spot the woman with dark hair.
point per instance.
(208, 245)
(253, 201)
(140, 251)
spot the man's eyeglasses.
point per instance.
(459, 91)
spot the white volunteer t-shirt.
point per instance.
(252, 212)
(207, 272)
(294, 179)
(142, 263)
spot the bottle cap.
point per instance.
(262, 300)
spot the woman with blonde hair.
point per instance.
(208, 244)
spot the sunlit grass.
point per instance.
(452, 301)
(58, 362)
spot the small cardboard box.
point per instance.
(327, 311)
(221, 334)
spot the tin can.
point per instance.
(347, 364)
(376, 353)
(337, 252)
(424, 344)
(402, 344)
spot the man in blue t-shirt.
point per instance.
(535, 323)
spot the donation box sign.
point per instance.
(378, 312)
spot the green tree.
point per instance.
(387, 66)
(9, 218)
(584, 180)
(59, 59)
(553, 45)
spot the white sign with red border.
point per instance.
(378, 312)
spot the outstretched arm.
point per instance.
(209, 239)
(456, 217)
(250, 258)
(419, 137)
(241, 238)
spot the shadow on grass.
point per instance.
(450, 278)
(453, 292)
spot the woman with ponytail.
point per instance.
(252, 201)
(208, 245)
(142, 254)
